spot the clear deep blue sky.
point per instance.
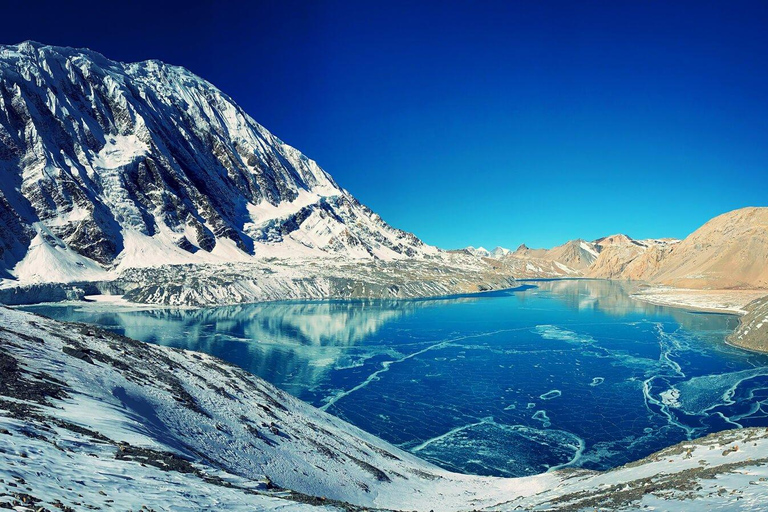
(482, 123)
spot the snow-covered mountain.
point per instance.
(499, 251)
(482, 252)
(107, 165)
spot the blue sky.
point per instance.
(480, 123)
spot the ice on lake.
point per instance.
(566, 373)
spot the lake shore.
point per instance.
(750, 305)
(713, 301)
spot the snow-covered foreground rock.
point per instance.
(91, 419)
(78, 399)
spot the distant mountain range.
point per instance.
(605, 257)
(729, 251)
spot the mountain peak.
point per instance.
(499, 251)
(37, 49)
(618, 238)
(120, 165)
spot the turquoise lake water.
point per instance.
(509, 383)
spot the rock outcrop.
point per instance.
(752, 332)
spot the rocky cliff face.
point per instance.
(106, 164)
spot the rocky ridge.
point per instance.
(752, 333)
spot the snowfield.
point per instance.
(728, 301)
(92, 419)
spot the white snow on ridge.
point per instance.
(50, 260)
(119, 151)
(264, 211)
(589, 248)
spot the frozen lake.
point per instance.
(511, 383)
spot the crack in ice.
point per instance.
(386, 364)
(450, 433)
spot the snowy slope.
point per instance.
(95, 393)
(91, 419)
(110, 165)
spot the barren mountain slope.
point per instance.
(523, 251)
(729, 251)
(575, 254)
(622, 257)
(615, 253)
(566, 260)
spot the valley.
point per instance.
(227, 327)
